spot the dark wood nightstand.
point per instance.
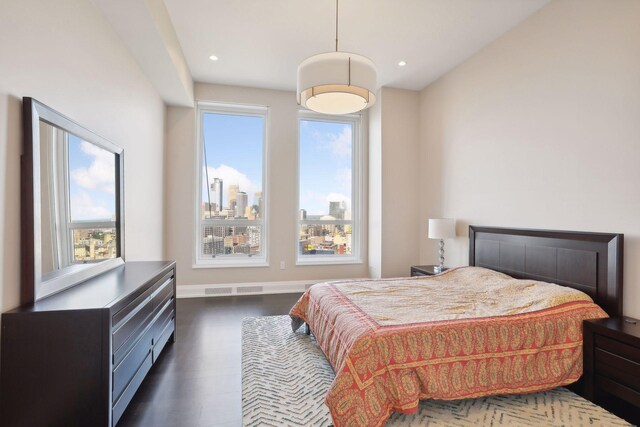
(424, 270)
(612, 365)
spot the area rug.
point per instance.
(285, 377)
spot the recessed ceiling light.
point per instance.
(213, 58)
(402, 63)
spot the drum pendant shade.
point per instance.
(336, 83)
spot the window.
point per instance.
(230, 196)
(329, 189)
(77, 201)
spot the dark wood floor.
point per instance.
(197, 381)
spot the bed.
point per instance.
(393, 342)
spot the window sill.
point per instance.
(227, 263)
(328, 261)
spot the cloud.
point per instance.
(341, 144)
(83, 207)
(312, 197)
(232, 176)
(318, 203)
(101, 173)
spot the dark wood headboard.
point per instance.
(590, 262)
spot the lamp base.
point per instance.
(440, 268)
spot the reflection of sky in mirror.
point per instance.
(325, 165)
(234, 153)
(91, 181)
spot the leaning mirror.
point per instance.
(72, 203)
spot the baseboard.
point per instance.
(256, 288)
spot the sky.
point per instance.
(325, 165)
(234, 154)
(91, 181)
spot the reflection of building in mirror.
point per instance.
(94, 244)
(78, 200)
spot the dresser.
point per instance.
(76, 358)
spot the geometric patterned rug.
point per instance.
(285, 378)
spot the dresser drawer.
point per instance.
(134, 323)
(149, 291)
(163, 293)
(123, 315)
(121, 404)
(618, 361)
(606, 384)
(124, 372)
(613, 346)
(163, 280)
(166, 314)
(166, 332)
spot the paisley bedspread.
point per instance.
(465, 333)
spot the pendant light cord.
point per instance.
(336, 25)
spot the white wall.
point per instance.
(394, 190)
(65, 54)
(375, 188)
(541, 129)
(281, 193)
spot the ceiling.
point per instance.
(261, 42)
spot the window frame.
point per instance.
(357, 192)
(231, 260)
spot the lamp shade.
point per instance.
(336, 83)
(442, 228)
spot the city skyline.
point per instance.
(238, 201)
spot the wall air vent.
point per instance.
(218, 291)
(248, 289)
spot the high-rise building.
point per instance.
(233, 191)
(257, 200)
(336, 209)
(254, 238)
(241, 203)
(303, 214)
(215, 194)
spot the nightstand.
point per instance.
(424, 270)
(612, 365)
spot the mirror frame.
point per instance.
(33, 287)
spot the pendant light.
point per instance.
(336, 82)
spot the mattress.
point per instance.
(465, 333)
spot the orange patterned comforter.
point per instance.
(498, 337)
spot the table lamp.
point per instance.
(441, 228)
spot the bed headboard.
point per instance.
(590, 262)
